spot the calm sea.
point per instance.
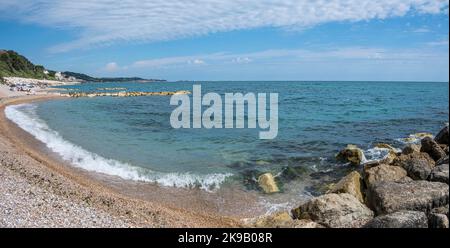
(131, 137)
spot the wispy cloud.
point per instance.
(111, 67)
(291, 56)
(438, 43)
(421, 30)
(104, 22)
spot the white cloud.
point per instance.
(292, 56)
(112, 67)
(242, 60)
(438, 43)
(196, 62)
(421, 30)
(105, 22)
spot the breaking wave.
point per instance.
(25, 116)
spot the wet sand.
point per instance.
(38, 189)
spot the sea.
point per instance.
(131, 137)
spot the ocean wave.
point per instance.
(25, 116)
(414, 138)
(375, 154)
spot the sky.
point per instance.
(357, 40)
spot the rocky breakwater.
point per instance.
(124, 93)
(406, 189)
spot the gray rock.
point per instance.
(400, 219)
(335, 210)
(410, 148)
(418, 165)
(384, 173)
(443, 160)
(390, 197)
(432, 148)
(436, 220)
(442, 136)
(439, 174)
(282, 220)
(441, 210)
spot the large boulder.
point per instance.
(411, 148)
(267, 182)
(438, 218)
(418, 165)
(335, 211)
(390, 197)
(384, 173)
(282, 220)
(432, 148)
(400, 219)
(351, 154)
(442, 136)
(439, 174)
(350, 184)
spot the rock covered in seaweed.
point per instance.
(351, 154)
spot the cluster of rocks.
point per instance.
(112, 88)
(123, 93)
(406, 189)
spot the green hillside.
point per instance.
(13, 64)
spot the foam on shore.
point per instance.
(25, 116)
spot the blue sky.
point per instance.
(233, 40)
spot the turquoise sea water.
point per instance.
(132, 138)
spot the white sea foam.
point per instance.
(414, 138)
(375, 154)
(24, 115)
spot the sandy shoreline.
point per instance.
(38, 191)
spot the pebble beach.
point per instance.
(36, 191)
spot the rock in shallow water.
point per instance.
(390, 197)
(267, 183)
(440, 174)
(350, 184)
(400, 219)
(351, 154)
(335, 210)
